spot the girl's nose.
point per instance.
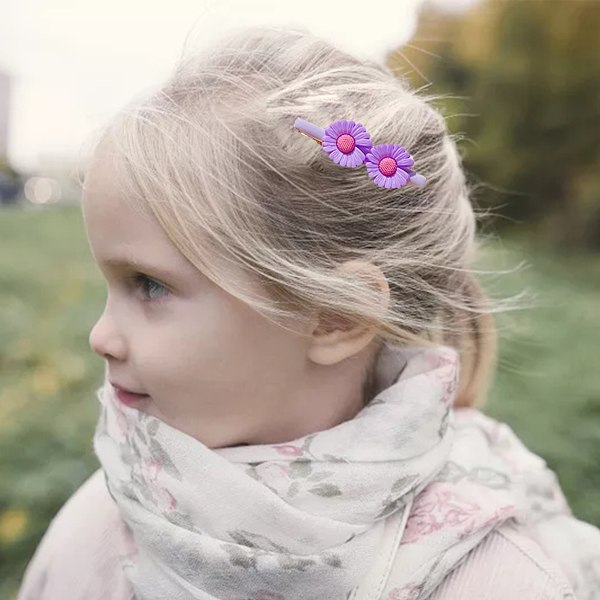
(105, 340)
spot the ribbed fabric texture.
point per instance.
(508, 565)
(78, 560)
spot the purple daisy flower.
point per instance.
(389, 165)
(347, 143)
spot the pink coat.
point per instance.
(78, 559)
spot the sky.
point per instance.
(75, 62)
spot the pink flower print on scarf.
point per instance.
(165, 501)
(288, 450)
(435, 508)
(273, 474)
(442, 506)
(444, 366)
(150, 469)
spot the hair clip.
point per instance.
(348, 144)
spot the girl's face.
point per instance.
(211, 366)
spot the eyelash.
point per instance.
(139, 279)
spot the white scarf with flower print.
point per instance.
(303, 520)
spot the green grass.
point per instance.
(547, 387)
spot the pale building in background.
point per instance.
(4, 113)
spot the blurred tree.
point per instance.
(6, 168)
(529, 74)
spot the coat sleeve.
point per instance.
(507, 564)
(78, 557)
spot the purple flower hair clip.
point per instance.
(348, 144)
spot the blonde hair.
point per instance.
(213, 154)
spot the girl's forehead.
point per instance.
(106, 186)
(121, 237)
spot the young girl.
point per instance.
(295, 347)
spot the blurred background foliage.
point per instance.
(524, 77)
(519, 83)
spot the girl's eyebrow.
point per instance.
(137, 266)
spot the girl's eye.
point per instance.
(141, 280)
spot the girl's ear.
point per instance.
(335, 337)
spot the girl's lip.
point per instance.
(129, 398)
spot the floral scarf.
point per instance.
(304, 520)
